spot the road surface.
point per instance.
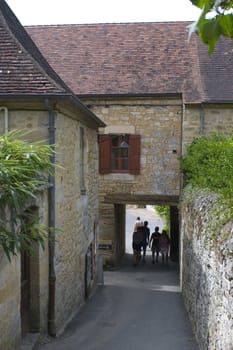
(137, 308)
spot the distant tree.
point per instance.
(164, 213)
(216, 19)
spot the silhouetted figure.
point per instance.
(146, 239)
(154, 243)
(164, 243)
(137, 245)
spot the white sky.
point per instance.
(31, 12)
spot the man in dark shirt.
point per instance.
(146, 239)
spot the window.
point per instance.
(119, 154)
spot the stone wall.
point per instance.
(10, 272)
(10, 292)
(76, 217)
(10, 336)
(207, 275)
(205, 120)
(159, 123)
(166, 127)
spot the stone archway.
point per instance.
(116, 222)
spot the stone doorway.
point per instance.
(30, 291)
(25, 293)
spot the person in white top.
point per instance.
(137, 224)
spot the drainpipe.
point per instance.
(51, 212)
(5, 110)
(202, 119)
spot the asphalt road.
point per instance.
(136, 308)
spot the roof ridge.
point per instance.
(106, 24)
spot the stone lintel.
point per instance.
(124, 198)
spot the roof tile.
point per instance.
(136, 58)
(23, 69)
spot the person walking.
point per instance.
(154, 243)
(164, 243)
(138, 223)
(145, 240)
(137, 245)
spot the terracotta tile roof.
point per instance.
(217, 72)
(23, 69)
(136, 58)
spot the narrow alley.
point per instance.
(136, 308)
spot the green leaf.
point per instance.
(215, 20)
(209, 32)
(208, 4)
(226, 25)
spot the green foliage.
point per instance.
(213, 212)
(215, 20)
(24, 169)
(164, 212)
(208, 167)
(209, 164)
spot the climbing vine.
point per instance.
(24, 169)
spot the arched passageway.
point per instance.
(125, 216)
(113, 222)
(149, 214)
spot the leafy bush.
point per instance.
(208, 168)
(24, 169)
(209, 164)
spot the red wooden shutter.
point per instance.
(105, 147)
(134, 154)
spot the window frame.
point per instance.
(120, 158)
(105, 154)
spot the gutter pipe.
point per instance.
(51, 212)
(202, 119)
(5, 110)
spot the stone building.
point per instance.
(41, 293)
(156, 91)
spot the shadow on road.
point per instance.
(160, 276)
(136, 308)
